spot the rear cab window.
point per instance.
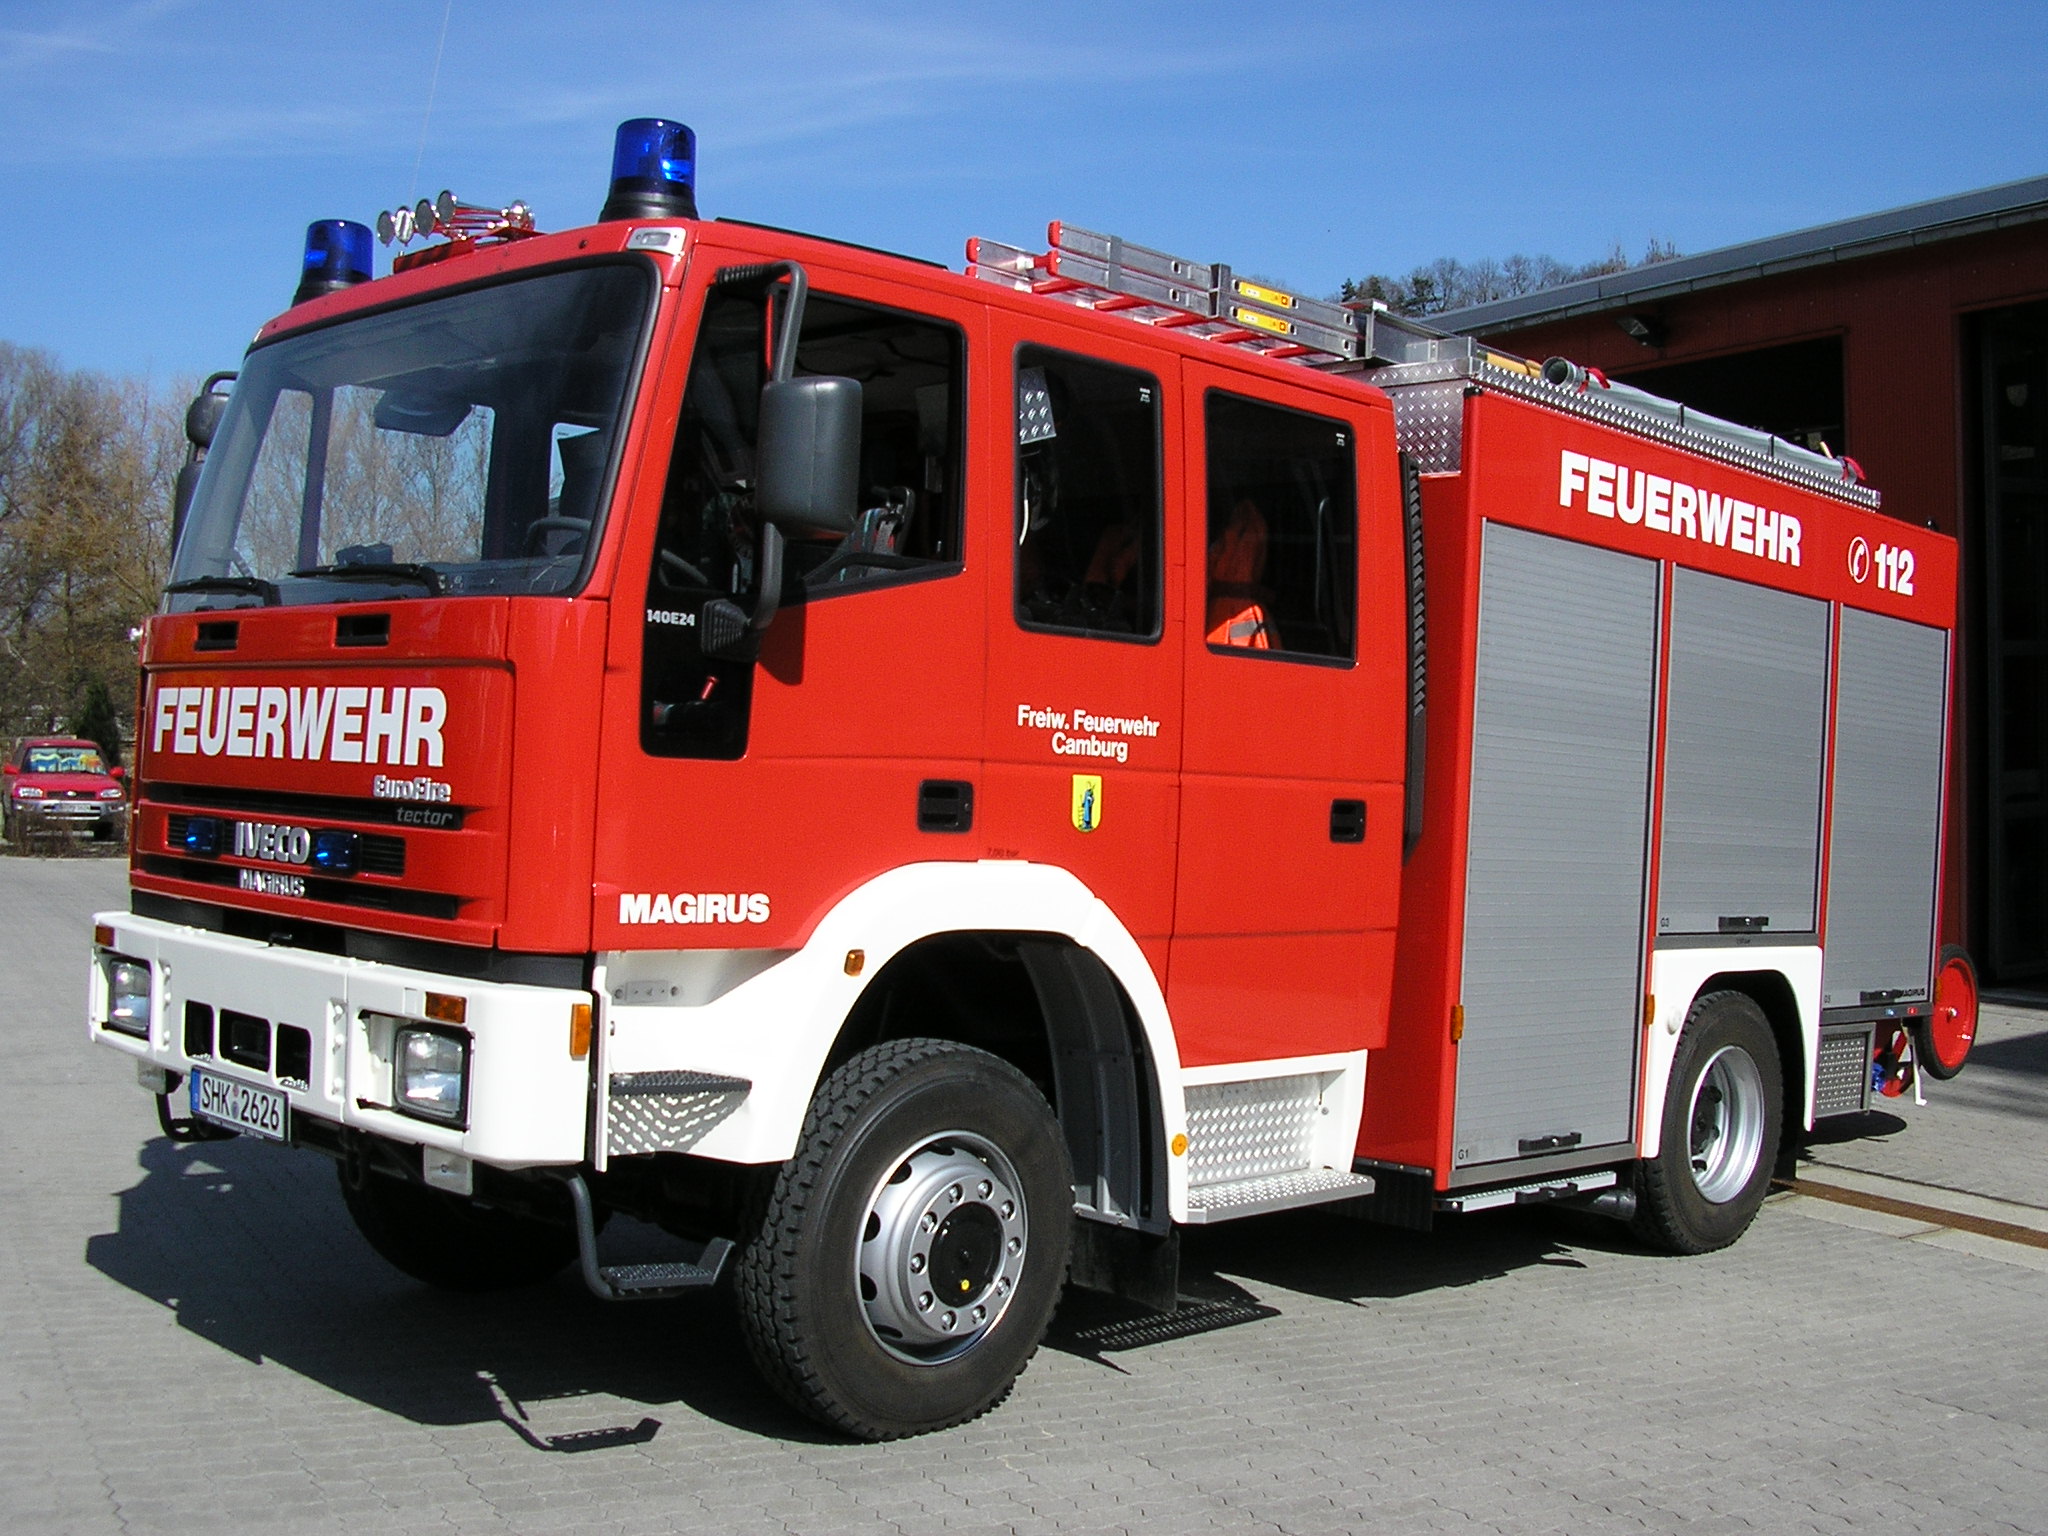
(1089, 497)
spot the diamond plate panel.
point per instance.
(1289, 1191)
(1252, 1130)
(1429, 424)
(667, 1111)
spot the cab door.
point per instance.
(1082, 747)
(741, 798)
(1290, 815)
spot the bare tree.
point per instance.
(1447, 283)
(86, 466)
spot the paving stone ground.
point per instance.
(193, 1339)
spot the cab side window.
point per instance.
(912, 372)
(1088, 496)
(1282, 531)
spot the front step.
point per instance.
(1275, 1192)
(632, 1282)
(639, 1282)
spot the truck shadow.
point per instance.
(250, 1247)
(1332, 1257)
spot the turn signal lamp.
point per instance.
(447, 1008)
(654, 171)
(337, 257)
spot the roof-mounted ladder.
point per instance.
(1112, 276)
(1108, 274)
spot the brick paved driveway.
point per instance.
(194, 1340)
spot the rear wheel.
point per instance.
(455, 1244)
(1723, 1114)
(914, 1248)
(1942, 1043)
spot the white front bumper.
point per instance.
(528, 1097)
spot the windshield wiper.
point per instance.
(397, 570)
(256, 586)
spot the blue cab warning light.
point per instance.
(335, 851)
(337, 257)
(654, 171)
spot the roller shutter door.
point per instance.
(1556, 865)
(1884, 837)
(1744, 741)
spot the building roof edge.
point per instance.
(1870, 234)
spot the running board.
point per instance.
(1536, 1192)
(639, 1282)
(1279, 1192)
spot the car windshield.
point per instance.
(62, 760)
(459, 445)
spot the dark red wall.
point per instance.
(1901, 317)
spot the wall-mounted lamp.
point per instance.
(1648, 329)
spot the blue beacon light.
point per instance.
(654, 171)
(337, 257)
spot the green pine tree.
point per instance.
(97, 722)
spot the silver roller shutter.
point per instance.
(1891, 705)
(1744, 738)
(1555, 873)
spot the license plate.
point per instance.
(245, 1107)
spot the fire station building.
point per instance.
(1916, 342)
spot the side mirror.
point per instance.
(202, 420)
(117, 771)
(12, 769)
(807, 458)
(202, 416)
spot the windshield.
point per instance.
(458, 445)
(62, 760)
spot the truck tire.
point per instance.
(913, 1249)
(451, 1243)
(1723, 1114)
(1942, 1043)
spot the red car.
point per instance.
(62, 785)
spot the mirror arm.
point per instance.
(769, 602)
(783, 364)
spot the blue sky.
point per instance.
(159, 159)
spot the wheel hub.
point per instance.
(942, 1246)
(1727, 1124)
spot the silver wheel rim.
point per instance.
(941, 1248)
(1726, 1124)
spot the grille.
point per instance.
(343, 893)
(376, 853)
(281, 805)
(1841, 1084)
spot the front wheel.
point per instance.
(914, 1248)
(1723, 1114)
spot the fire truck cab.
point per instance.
(924, 785)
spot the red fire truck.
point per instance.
(922, 785)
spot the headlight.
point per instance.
(27, 792)
(110, 794)
(430, 1073)
(127, 996)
